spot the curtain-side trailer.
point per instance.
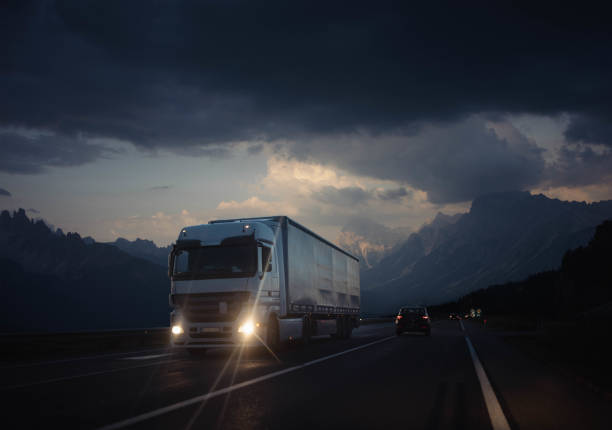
(253, 281)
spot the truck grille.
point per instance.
(220, 335)
(211, 307)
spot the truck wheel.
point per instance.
(273, 335)
(306, 330)
(348, 328)
(340, 332)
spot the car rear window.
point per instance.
(418, 311)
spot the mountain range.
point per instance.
(504, 237)
(369, 241)
(51, 281)
(145, 249)
(580, 290)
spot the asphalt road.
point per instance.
(374, 380)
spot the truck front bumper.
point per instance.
(216, 335)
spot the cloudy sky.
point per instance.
(135, 118)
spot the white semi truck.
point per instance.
(259, 281)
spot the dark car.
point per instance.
(413, 318)
(454, 316)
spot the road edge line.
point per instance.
(212, 394)
(496, 414)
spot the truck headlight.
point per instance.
(247, 328)
(177, 329)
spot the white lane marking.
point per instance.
(146, 357)
(498, 419)
(86, 357)
(461, 324)
(82, 375)
(210, 395)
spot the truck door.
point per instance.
(270, 279)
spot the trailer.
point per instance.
(259, 281)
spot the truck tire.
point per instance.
(348, 328)
(272, 334)
(340, 332)
(306, 330)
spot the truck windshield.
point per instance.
(235, 261)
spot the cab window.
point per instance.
(266, 259)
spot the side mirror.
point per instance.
(171, 261)
(259, 265)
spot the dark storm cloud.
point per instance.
(591, 129)
(348, 196)
(453, 163)
(4, 193)
(183, 73)
(187, 76)
(32, 154)
(255, 149)
(579, 165)
(352, 196)
(394, 194)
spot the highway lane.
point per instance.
(410, 381)
(35, 373)
(535, 395)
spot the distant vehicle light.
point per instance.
(177, 329)
(247, 328)
(425, 317)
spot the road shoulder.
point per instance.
(534, 395)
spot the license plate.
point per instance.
(210, 329)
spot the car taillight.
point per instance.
(399, 317)
(425, 317)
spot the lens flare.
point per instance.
(247, 328)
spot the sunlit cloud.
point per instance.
(254, 206)
(326, 198)
(589, 193)
(162, 227)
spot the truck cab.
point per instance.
(224, 284)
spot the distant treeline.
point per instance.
(581, 284)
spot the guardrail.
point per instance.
(365, 321)
(22, 345)
(28, 345)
